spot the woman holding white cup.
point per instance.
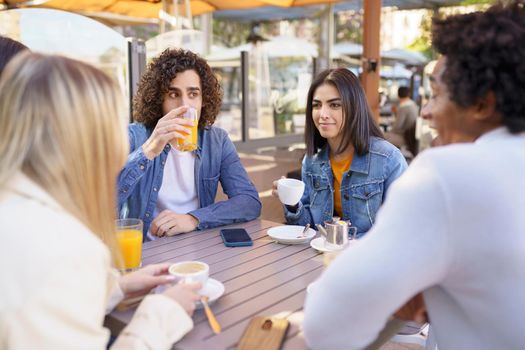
(63, 141)
(348, 166)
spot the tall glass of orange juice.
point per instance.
(129, 238)
(189, 142)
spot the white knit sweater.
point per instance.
(453, 226)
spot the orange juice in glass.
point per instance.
(189, 142)
(129, 238)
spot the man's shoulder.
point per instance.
(214, 138)
(138, 131)
(455, 159)
(137, 127)
(409, 105)
(215, 134)
(214, 131)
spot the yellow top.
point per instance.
(338, 169)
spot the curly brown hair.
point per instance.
(485, 52)
(147, 103)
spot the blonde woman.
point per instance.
(63, 142)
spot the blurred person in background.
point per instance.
(63, 142)
(349, 166)
(405, 112)
(452, 226)
(173, 191)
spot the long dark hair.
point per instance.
(358, 123)
(8, 49)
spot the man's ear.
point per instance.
(485, 109)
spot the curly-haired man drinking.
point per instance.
(174, 191)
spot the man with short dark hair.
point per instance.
(452, 225)
(406, 114)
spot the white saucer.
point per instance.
(319, 245)
(310, 287)
(213, 289)
(290, 234)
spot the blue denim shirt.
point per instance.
(216, 160)
(363, 187)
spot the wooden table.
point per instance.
(265, 279)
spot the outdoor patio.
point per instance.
(265, 55)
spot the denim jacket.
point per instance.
(216, 160)
(363, 187)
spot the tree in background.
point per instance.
(349, 26)
(423, 44)
(477, 2)
(230, 33)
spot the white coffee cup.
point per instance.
(190, 272)
(290, 191)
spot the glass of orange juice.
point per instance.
(129, 238)
(189, 142)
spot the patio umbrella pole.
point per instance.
(371, 54)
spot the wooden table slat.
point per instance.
(263, 266)
(265, 279)
(231, 336)
(248, 226)
(206, 248)
(280, 299)
(257, 287)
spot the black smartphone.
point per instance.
(236, 237)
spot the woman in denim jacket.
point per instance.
(348, 167)
(173, 191)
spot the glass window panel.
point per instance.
(279, 80)
(229, 118)
(82, 38)
(188, 39)
(290, 80)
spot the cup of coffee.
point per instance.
(190, 272)
(290, 191)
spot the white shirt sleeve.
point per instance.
(406, 251)
(67, 312)
(157, 324)
(116, 294)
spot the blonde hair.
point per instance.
(62, 124)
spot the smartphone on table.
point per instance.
(236, 237)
